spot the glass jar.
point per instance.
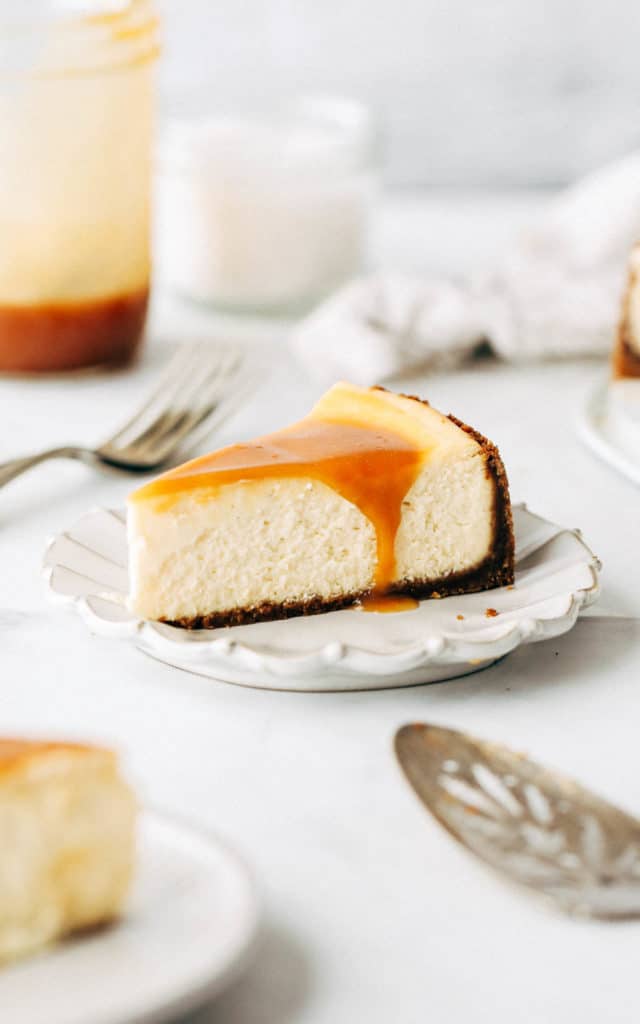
(266, 211)
(76, 105)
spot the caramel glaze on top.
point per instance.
(372, 468)
(14, 752)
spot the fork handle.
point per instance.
(16, 467)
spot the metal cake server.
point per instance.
(537, 827)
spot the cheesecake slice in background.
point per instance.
(372, 493)
(626, 351)
(67, 823)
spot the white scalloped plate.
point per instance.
(187, 930)
(556, 576)
(610, 425)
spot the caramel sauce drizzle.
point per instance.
(374, 469)
(387, 603)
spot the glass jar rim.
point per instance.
(69, 39)
(301, 135)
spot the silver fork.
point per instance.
(201, 387)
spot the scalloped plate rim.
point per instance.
(334, 657)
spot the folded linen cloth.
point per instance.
(555, 293)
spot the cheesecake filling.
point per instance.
(370, 496)
(371, 468)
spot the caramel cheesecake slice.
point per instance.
(626, 351)
(66, 857)
(372, 493)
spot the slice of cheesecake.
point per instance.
(66, 856)
(626, 351)
(372, 493)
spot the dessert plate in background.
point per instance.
(610, 425)
(188, 928)
(556, 577)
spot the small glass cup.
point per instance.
(266, 212)
(76, 113)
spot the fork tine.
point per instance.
(189, 401)
(226, 408)
(173, 370)
(212, 414)
(210, 417)
(211, 380)
(172, 426)
(202, 386)
(159, 409)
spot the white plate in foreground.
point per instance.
(556, 576)
(610, 426)
(188, 927)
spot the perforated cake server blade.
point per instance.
(531, 824)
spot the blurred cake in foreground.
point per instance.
(67, 822)
(626, 352)
(372, 493)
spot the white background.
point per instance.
(498, 92)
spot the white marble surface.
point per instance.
(371, 912)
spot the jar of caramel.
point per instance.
(76, 107)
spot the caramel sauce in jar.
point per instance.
(59, 336)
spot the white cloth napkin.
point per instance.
(554, 293)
